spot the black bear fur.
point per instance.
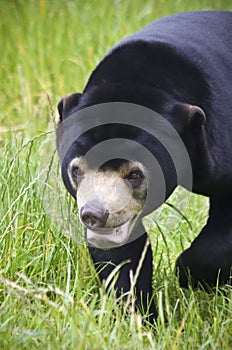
(181, 60)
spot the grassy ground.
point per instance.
(49, 292)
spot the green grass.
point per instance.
(49, 292)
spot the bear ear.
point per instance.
(67, 104)
(190, 116)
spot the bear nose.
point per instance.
(93, 216)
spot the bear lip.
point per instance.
(106, 238)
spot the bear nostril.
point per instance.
(93, 217)
(91, 220)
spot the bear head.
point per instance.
(125, 162)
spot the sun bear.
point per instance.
(155, 113)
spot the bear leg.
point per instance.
(106, 260)
(208, 261)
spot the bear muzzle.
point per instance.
(93, 217)
(107, 238)
(98, 232)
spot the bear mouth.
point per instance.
(107, 238)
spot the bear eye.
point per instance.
(135, 177)
(76, 172)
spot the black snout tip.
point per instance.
(93, 216)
